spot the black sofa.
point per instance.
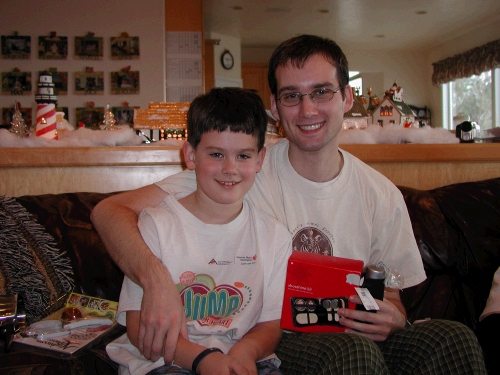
(457, 228)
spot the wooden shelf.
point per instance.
(43, 170)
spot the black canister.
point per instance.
(374, 281)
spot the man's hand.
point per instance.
(377, 326)
(162, 320)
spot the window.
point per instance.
(355, 81)
(470, 83)
(475, 97)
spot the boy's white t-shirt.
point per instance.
(360, 214)
(230, 276)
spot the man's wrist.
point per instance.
(157, 276)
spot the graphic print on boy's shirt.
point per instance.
(210, 304)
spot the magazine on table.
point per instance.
(81, 322)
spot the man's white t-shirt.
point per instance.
(360, 214)
(230, 277)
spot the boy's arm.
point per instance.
(186, 352)
(162, 315)
(260, 342)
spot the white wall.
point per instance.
(381, 68)
(411, 68)
(224, 77)
(107, 19)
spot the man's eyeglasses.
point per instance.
(318, 96)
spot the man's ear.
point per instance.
(348, 98)
(274, 108)
(189, 155)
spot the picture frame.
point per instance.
(88, 47)
(90, 117)
(53, 47)
(60, 81)
(125, 82)
(16, 47)
(8, 113)
(124, 115)
(16, 83)
(124, 47)
(89, 83)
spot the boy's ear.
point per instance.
(189, 155)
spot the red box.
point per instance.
(316, 286)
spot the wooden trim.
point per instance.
(89, 156)
(475, 152)
(161, 155)
(185, 15)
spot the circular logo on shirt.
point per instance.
(312, 240)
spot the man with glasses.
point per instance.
(331, 203)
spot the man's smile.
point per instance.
(311, 126)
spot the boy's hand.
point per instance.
(162, 320)
(222, 364)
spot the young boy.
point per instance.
(228, 257)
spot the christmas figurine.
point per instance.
(46, 107)
(19, 127)
(373, 100)
(109, 119)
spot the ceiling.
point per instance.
(366, 24)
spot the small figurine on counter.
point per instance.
(62, 124)
(46, 107)
(19, 127)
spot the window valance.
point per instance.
(474, 61)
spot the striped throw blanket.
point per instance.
(30, 263)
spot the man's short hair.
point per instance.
(236, 109)
(298, 50)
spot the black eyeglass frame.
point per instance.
(311, 95)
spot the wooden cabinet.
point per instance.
(105, 169)
(254, 76)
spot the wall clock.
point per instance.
(227, 60)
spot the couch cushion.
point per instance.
(458, 234)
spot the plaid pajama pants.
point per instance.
(433, 347)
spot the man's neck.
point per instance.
(318, 166)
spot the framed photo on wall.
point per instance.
(124, 47)
(125, 82)
(16, 83)
(16, 47)
(53, 47)
(88, 47)
(124, 115)
(91, 117)
(89, 83)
